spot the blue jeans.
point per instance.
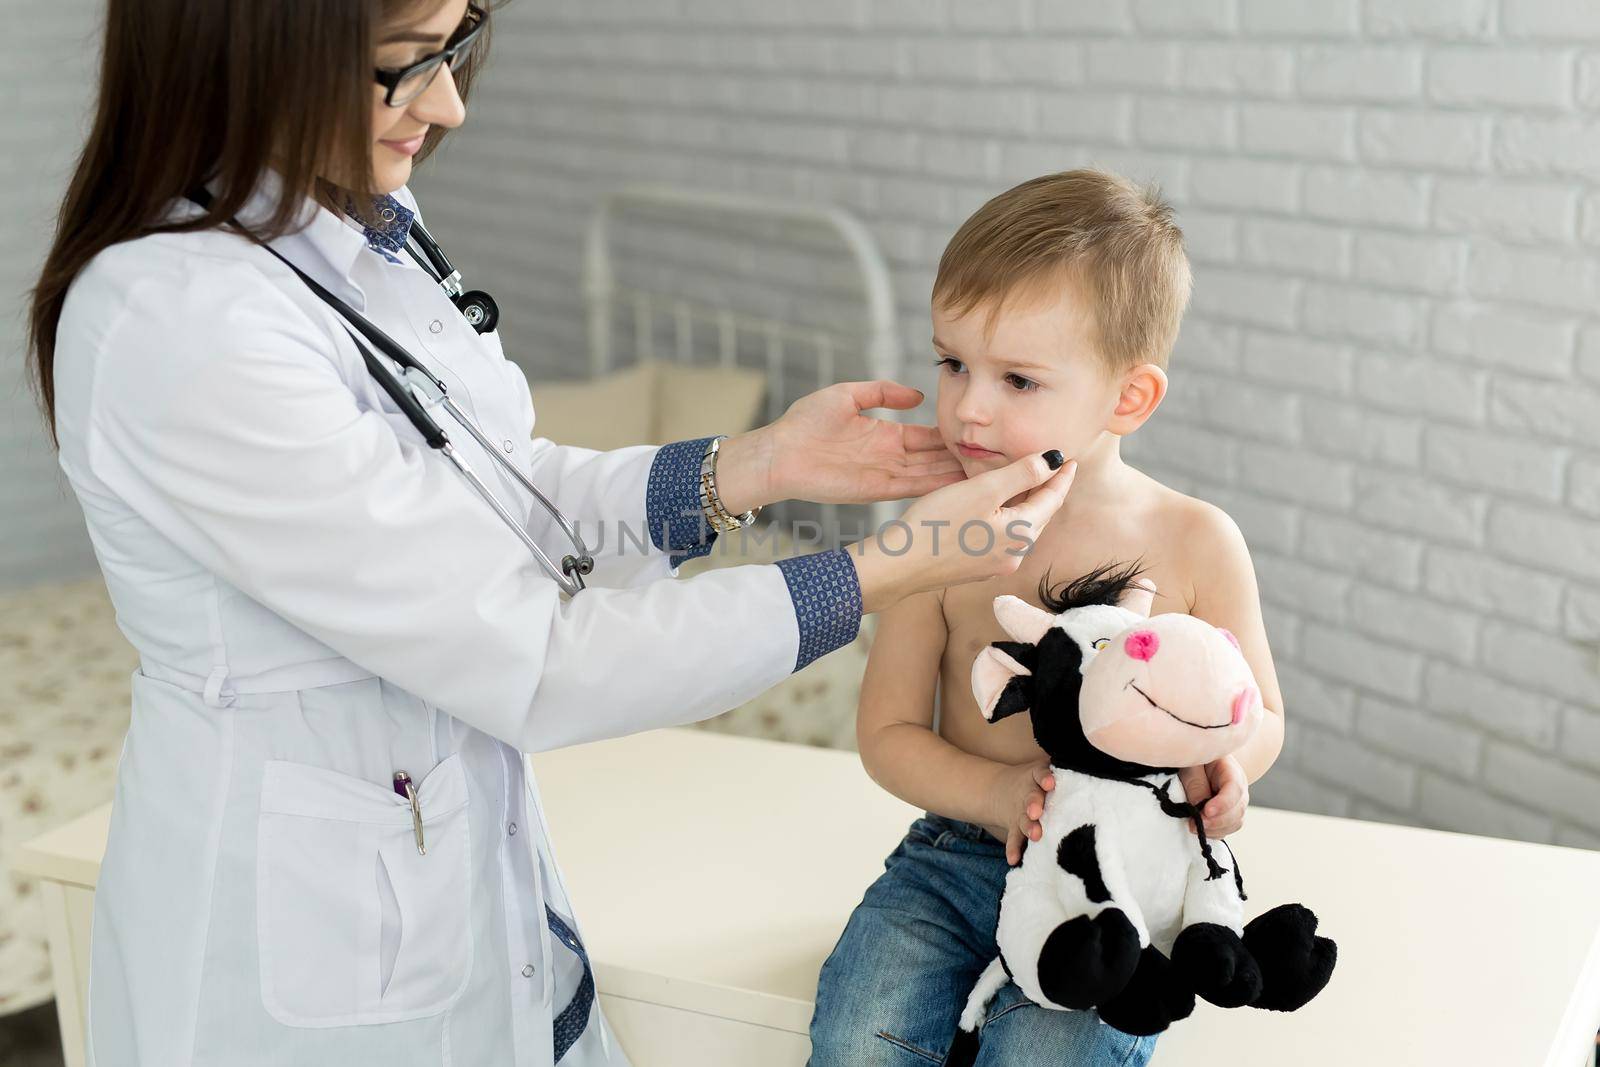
(893, 988)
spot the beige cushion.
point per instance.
(612, 411)
(701, 401)
(648, 403)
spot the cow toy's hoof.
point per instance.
(1295, 963)
(1153, 999)
(1085, 962)
(1213, 961)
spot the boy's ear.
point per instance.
(1143, 388)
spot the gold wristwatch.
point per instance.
(717, 516)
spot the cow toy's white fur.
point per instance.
(1123, 905)
(1151, 864)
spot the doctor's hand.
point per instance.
(976, 529)
(825, 449)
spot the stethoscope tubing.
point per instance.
(418, 379)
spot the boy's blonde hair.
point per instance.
(1114, 240)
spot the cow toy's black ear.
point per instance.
(1018, 693)
(1002, 679)
(1016, 696)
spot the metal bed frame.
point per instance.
(715, 331)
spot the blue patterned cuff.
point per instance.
(672, 502)
(827, 601)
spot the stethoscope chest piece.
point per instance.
(479, 309)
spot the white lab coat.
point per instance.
(319, 600)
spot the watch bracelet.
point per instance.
(718, 517)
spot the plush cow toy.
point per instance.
(1119, 907)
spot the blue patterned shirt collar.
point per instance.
(384, 221)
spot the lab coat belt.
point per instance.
(219, 688)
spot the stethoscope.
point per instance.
(476, 306)
(421, 389)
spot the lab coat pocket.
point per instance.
(354, 925)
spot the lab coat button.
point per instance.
(527, 972)
(508, 445)
(512, 829)
(435, 326)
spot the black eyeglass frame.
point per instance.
(391, 79)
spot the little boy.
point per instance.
(1054, 311)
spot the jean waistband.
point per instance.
(968, 830)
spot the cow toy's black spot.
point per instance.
(1077, 856)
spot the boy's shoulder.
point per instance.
(1178, 513)
(1198, 538)
(1201, 534)
(1200, 520)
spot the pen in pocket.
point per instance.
(404, 787)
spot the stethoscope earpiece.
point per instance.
(479, 309)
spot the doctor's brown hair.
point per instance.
(192, 90)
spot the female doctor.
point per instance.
(326, 847)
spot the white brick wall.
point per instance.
(45, 84)
(1391, 374)
(1390, 377)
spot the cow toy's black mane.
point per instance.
(1106, 584)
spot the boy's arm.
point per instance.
(899, 747)
(1225, 594)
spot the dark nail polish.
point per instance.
(1054, 458)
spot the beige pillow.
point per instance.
(613, 411)
(650, 403)
(701, 401)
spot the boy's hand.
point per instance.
(1017, 801)
(1222, 786)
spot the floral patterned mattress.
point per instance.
(64, 705)
(64, 670)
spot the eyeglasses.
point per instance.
(405, 84)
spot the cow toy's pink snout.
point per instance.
(1168, 691)
(1141, 644)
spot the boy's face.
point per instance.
(1034, 383)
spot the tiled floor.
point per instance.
(30, 1038)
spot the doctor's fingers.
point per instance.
(918, 468)
(925, 463)
(883, 393)
(902, 486)
(1036, 509)
(985, 494)
(921, 438)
